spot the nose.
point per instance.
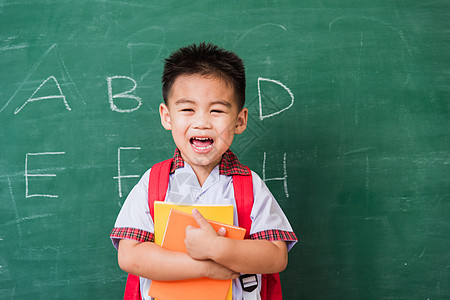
(201, 121)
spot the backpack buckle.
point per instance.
(249, 282)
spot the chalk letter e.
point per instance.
(27, 195)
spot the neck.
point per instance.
(202, 169)
(202, 172)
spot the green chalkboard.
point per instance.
(349, 126)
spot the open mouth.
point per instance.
(201, 143)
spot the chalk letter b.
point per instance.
(126, 94)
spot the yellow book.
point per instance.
(219, 213)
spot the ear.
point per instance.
(165, 116)
(241, 122)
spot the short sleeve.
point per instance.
(268, 219)
(134, 220)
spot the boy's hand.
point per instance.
(218, 271)
(200, 241)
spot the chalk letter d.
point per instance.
(261, 116)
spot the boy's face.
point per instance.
(203, 115)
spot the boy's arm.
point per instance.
(151, 261)
(244, 256)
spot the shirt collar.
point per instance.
(229, 164)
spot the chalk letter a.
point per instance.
(32, 99)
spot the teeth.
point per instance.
(201, 139)
(202, 148)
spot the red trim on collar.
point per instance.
(229, 164)
(177, 162)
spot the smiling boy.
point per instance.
(204, 116)
(204, 94)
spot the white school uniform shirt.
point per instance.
(268, 220)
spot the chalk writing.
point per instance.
(126, 95)
(27, 175)
(50, 97)
(119, 173)
(33, 69)
(261, 115)
(284, 178)
(51, 52)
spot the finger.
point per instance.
(222, 231)
(201, 221)
(188, 228)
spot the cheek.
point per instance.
(179, 122)
(227, 132)
(178, 129)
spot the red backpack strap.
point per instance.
(157, 188)
(271, 287)
(243, 194)
(158, 183)
(132, 289)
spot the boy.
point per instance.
(204, 95)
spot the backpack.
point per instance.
(243, 193)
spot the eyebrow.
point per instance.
(221, 102)
(183, 101)
(218, 102)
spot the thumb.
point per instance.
(201, 221)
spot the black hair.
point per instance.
(208, 60)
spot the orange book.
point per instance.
(199, 288)
(219, 213)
